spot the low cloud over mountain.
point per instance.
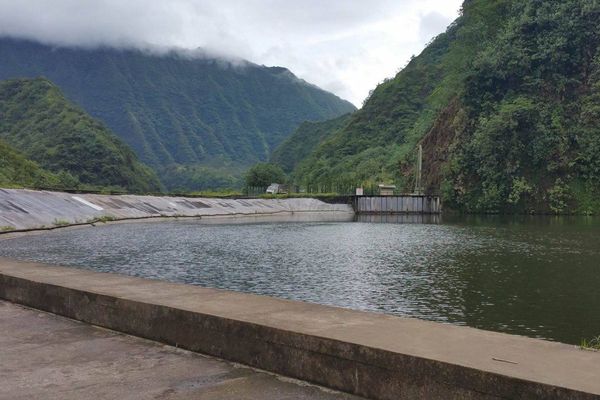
(345, 46)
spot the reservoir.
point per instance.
(534, 276)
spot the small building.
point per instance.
(386, 190)
(277, 188)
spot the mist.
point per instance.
(344, 46)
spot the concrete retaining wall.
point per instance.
(405, 204)
(373, 355)
(29, 209)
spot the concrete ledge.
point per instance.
(373, 355)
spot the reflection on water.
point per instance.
(301, 216)
(399, 218)
(532, 276)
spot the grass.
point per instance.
(103, 219)
(216, 193)
(300, 196)
(7, 228)
(60, 222)
(592, 344)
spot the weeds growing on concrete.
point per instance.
(592, 344)
(7, 228)
(106, 218)
(61, 222)
(103, 219)
(299, 196)
(217, 193)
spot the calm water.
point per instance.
(533, 276)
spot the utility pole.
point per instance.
(418, 170)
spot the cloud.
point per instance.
(346, 46)
(432, 24)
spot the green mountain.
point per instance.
(179, 111)
(304, 140)
(17, 171)
(49, 132)
(506, 104)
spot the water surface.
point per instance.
(534, 276)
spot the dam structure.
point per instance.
(22, 209)
(398, 204)
(355, 353)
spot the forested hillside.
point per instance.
(17, 171)
(304, 141)
(505, 103)
(188, 116)
(53, 143)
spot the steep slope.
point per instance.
(17, 171)
(37, 121)
(506, 104)
(383, 134)
(304, 141)
(530, 105)
(178, 109)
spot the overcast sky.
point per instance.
(344, 46)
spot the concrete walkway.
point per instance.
(372, 355)
(44, 356)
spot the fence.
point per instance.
(333, 188)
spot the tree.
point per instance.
(263, 174)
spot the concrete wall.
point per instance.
(27, 209)
(373, 355)
(407, 204)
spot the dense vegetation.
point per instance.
(55, 144)
(304, 140)
(182, 178)
(506, 104)
(262, 175)
(373, 142)
(17, 171)
(182, 114)
(532, 100)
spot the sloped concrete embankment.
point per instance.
(22, 209)
(373, 355)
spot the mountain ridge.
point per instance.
(41, 125)
(177, 111)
